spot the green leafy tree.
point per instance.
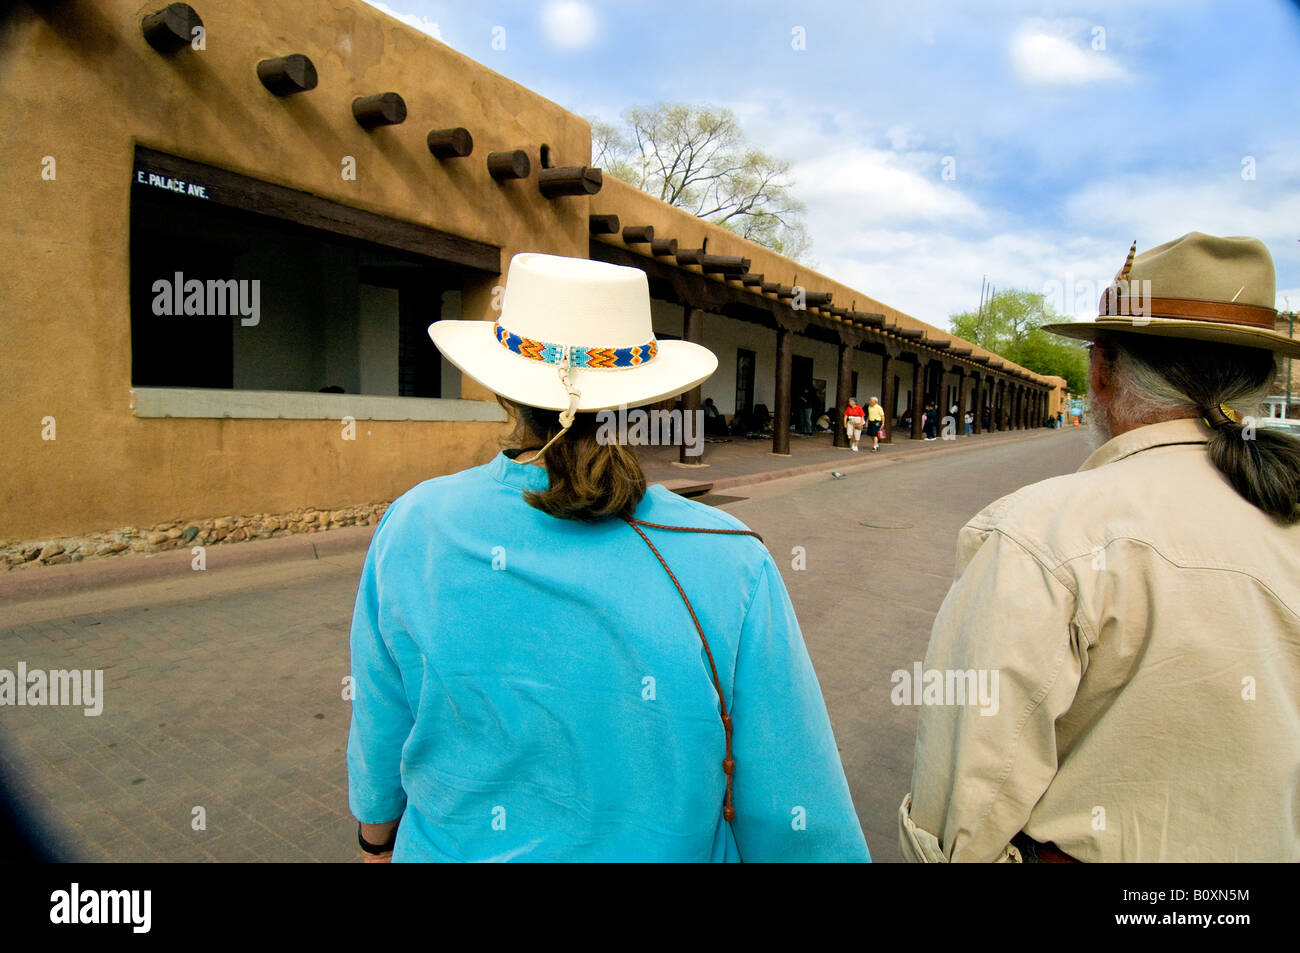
(1010, 324)
(695, 157)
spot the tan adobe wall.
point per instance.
(82, 86)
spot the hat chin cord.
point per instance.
(566, 416)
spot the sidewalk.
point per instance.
(728, 466)
(742, 462)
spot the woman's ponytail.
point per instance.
(591, 478)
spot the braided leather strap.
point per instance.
(728, 761)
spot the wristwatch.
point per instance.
(370, 848)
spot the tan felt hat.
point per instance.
(1200, 287)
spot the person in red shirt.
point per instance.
(854, 420)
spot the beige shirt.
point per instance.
(1141, 620)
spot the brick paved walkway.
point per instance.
(223, 688)
(229, 701)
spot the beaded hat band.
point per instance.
(574, 355)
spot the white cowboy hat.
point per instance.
(573, 335)
(1199, 286)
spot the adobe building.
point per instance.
(226, 227)
(1058, 395)
(1284, 399)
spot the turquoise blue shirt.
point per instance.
(531, 688)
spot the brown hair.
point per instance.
(590, 480)
(1169, 375)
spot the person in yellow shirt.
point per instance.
(875, 423)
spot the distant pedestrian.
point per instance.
(532, 681)
(930, 425)
(970, 423)
(854, 419)
(875, 422)
(715, 424)
(806, 398)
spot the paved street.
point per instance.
(223, 689)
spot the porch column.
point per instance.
(918, 397)
(781, 413)
(888, 395)
(959, 418)
(843, 381)
(693, 331)
(976, 399)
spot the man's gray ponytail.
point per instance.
(1169, 375)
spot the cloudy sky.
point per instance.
(1066, 129)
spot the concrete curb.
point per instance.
(27, 584)
(868, 460)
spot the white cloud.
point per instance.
(875, 187)
(1046, 54)
(1156, 208)
(569, 25)
(423, 24)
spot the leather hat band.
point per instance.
(1187, 309)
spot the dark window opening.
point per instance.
(222, 297)
(745, 361)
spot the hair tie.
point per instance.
(566, 415)
(1219, 416)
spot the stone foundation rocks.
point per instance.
(179, 534)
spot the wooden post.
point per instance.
(286, 75)
(959, 418)
(569, 180)
(888, 395)
(638, 234)
(693, 331)
(918, 397)
(977, 402)
(171, 28)
(509, 165)
(781, 413)
(735, 265)
(843, 381)
(382, 109)
(663, 247)
(602, 224)
(454, 143)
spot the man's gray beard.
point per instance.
(1098, 422)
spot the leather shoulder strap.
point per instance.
(728, 761)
